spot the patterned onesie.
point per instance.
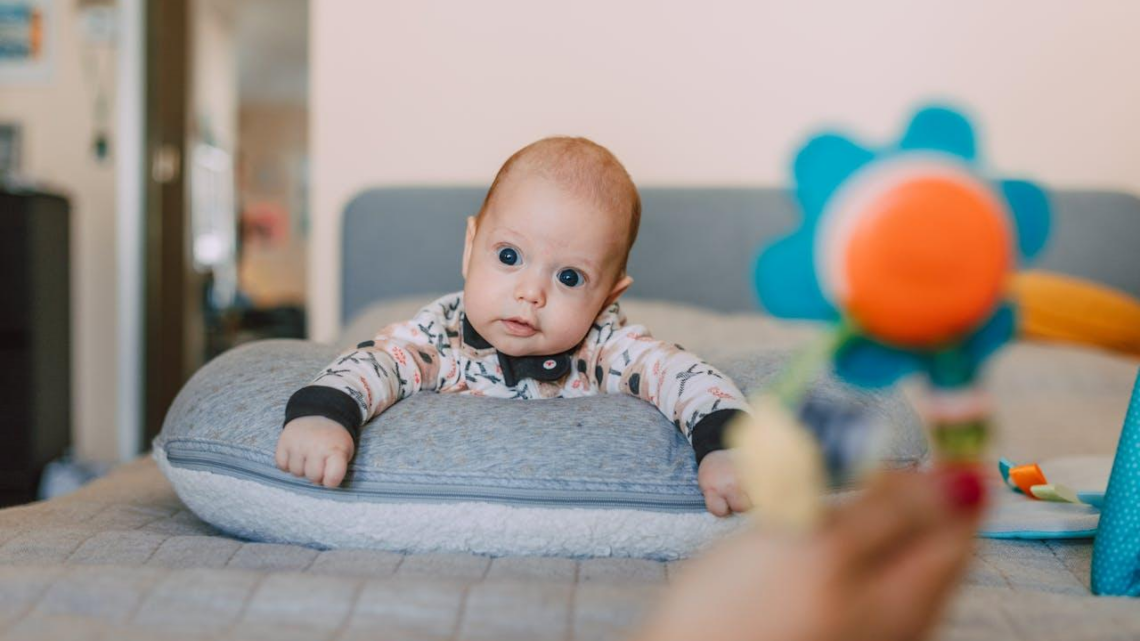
(438, 350)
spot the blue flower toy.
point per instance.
(907, 251)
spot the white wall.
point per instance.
(57, 121)
(130, 181)
(702, 93)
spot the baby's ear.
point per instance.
(620, 286)
(471, 224)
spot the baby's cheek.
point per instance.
(568, 328)
(476, 304)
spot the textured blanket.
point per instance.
(123, 559)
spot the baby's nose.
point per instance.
(529, 290)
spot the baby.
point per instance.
(544, 263)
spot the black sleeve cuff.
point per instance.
(708, 433)
(331, 403)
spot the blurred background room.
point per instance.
(174, 171)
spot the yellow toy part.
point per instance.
(1068, 309)
(781, 465)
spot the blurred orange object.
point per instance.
(930, 262)
(1064, 308)
(1026, 476)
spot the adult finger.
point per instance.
(915, 584)
(896, 507)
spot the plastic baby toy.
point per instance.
(906, 251)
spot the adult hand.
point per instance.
(879, 568)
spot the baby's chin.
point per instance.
(515, 346)
(537, 345)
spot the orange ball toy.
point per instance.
(925, 260)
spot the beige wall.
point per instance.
(711, 93)
(57, 121)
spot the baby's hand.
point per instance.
(720, 484)
(316, 448)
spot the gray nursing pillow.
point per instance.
(598, 476)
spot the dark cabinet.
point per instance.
(35, 339)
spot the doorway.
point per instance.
(226, 200)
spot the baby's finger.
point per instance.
(739, 501)
(296, 463)
(335, 466)
(281, 456)
(314, 468)
(716, 504)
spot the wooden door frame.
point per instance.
(165, 226)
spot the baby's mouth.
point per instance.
(519, 327)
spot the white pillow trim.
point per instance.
(260, 512)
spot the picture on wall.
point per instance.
(26, 29)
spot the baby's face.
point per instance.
(539, 267)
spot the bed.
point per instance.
(123, 558)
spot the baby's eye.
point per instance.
(508, 256)
(570, 277)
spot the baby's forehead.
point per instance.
(597, 202)
(526, 197)
(564, 226)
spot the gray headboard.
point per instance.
(695, 245)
